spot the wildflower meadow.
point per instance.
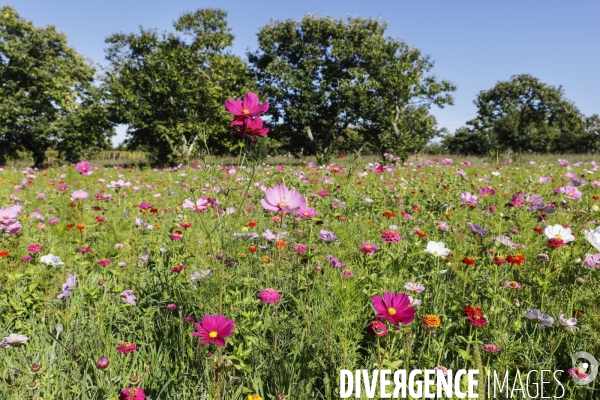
(262, 281)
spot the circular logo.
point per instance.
(591, 367)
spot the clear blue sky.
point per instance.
(474, 43)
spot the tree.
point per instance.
(171, 88)
(322, 76)
(45, 86)
(526, 115)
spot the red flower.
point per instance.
(252, 224)
(389, 214)
(3, 253)
(469, 260)
(555, 242)
(518, 259)
(252, 249)
(538, 229)
(177, 269)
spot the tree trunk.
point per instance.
(38, 159)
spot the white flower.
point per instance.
(568, 324)
(559, 232)
(51, 260)
(14, 339)
(438, 249)
(593, 236)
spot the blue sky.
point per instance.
(474, 43)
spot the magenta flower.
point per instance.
(171, 307)
(368, 248)
(306, 212)
(247, 108)
(269, 295)
(491, 348)
(132, 394)
(34, 248)
(214, 329)
(126, 348)
(79, 195)
(394, 307)
(280, 198)
(390, 236)
(486, 192)
(84, 168)
(377, 328)
(250, 127)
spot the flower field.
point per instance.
(260, 281)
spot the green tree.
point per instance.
(170, 88)
(323, 76)
(526, 115)
(45, 86)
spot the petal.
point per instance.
(405, 316)
(400, 301)
(234, 107)
(250, 102)
(388, 299)
(378, 304)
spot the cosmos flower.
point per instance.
(437, 249)
(491, 348)
(200, 205)
(67, 287)
(51, 260)
(279, 198)
(468, 198)
(568, 324)
(543, 321)
(559, 232)
(571, 192)
(84, 168)
(79, 195)
(14, 339)
(214, 329)
(593, 236)
(327, 236)
(477, 229)
(247, 108)
(128, 297)
(414, 287)
(394, 307)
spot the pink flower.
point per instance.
(79, 195)
(132, 394)
(247, 108)
(200, 206)
(491, 348)
(572, 192)
(84, 168)
(214, 329)
(368, 248)
(126, 347)
(394, 307)
(468, 198)
(377, 328)
(171, 307)
(269, 296)
(280, 198)
(34, 248)
(306, 212)
(127, 296)
(390, 236)
(103, 262)
(250, 127)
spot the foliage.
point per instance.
(47, 100)
(323, 76)
(170, 88)
(523, 115)
(298, 345)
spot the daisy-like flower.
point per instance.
(468, 198)
(394, 307)
(414, 287)
(132, 394)
(368, 248)
(126, 348)
(327, 236)
(14, 339)
(559, 232)
(67, 287)
(79, 195)
(491, 348)
(118, 184)
(578, 372)
(214, 329)
(543, 321)
(200, 205)
(571, 192)
(568, 324)
(51, 260)
(437, 249)
(279, 198)
(593, 236)
(390, 236)
(127, 296)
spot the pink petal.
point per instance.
(378, 304)
(250, 102)
(234, 107)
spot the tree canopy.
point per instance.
(170, 88)
(524, 115)
(325, 78)
(47, 97)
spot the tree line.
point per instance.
(333, 86)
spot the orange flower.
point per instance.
(469, 260)
(389, 214)
(3, 253)
(518, 259)
(421, 234)
(266, 259)
(280, 244)
(432, 321)
(81, 227)
(252, 249)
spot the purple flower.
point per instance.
(486, 192)
(477, 229)
(468, 198)
(335, 262)
(543, 321)
(414, 287)
(507, 241)
(269, 295)
(84, 168)
(327, 236)
(572, 192)
(491, 348)
(67, 287)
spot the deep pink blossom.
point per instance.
(214, 329)
(249, 107)
(280, 198)
(394, 307)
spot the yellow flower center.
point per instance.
(435, 252)
(570, 194)
(213, 334)
(514, 283)
(283, 204)
(246, 111)
(391, 311)
(558, 236)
